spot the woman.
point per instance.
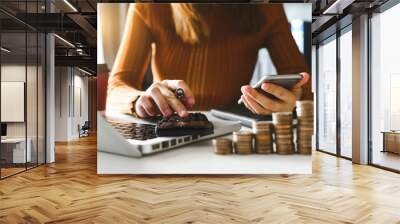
(208, 50)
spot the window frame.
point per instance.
(333, 33)
(378, 10)
(27, 29)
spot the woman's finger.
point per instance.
(297, 89)
(279, 92)
(174, 102)
(297, 92)
(148, 105)
(303, 81)
(259, 109)
(161, 102)
(266, 102)
(141, 112)
(247, 105)
(175, 84)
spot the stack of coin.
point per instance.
(305, 126)
(243, 142)
(263, 137)
(283, 132)
(222, 146)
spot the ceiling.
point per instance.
(328, 13)
(74, 22)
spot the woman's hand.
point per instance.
(263, 105)
(160, 98)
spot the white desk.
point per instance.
(199, 158)
(19, 153)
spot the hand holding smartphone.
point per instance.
(287, 81)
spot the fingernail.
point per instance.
(191, 101)
(183, 113)
(247, 88)
(266, 86)
(168, 112)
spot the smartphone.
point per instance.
(287, 81)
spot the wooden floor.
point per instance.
(5, 172)
(386, 159)
(70, 191)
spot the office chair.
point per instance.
(84, 130)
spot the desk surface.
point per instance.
(390, 132)
(199, 158)
(13, 140)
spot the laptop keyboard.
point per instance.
(135, 131)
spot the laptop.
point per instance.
(114, 135)
(238, 112)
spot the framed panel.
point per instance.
(345, 95)
(384, 114)
(326, 100)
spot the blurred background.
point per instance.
(50, 48)
(112, 16)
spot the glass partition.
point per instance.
(14, 153)
(32, 97)
(41, 97)
(385, 89)
(22, 77)
(346, 93)
(326, 96)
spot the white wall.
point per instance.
(71, 102)
(50, 95)
(33, 127)
(80, 109)
(16, 73)
(62, 81)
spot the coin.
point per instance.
(304, 135)
(299, 145)
(284, 136)
(222, 146)
(305, 129)
(281, 115)
(282, 126)
(262, 126)
(282, 118)
(264, 138)
(283, 131)
(264, 150)
(285, 149)
(305, 113)
(243, 142)
(305, 126)
(301, 103)
(263, 144)
(306, 106)
(304, 150)
(305, 123)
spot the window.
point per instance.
(385, 86)
(326, 96)
(346, 93)
(22, 77)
